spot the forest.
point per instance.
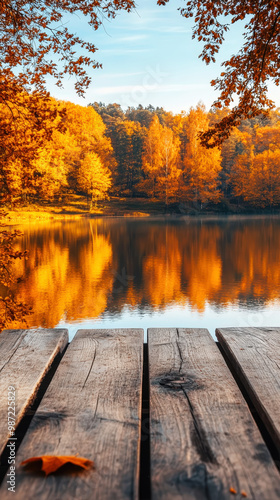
(102, 151)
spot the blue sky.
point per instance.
(149, 57)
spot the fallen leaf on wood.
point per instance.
(233, 491)
(50, 463)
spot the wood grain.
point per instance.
(255, 357)
(26, 358)
(92, 408)
(204, 440)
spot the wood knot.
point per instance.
(179, 382)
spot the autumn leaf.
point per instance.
(50, 463)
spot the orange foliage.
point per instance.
(246, 73)
(161, 162)
(36, 41)
(201, 166)
(256, 177)
(93, 178)
(26, 125)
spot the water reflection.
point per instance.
(97, 267)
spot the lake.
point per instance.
(127, 272)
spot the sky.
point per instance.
(149, 57)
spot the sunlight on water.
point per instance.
(112, 273)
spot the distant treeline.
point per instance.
(101, 150)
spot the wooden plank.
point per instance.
(92, 408)
(204, 440)
(255, 357)
(26, 357)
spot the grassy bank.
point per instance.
(75, 206)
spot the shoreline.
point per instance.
(75, 207)
(17, 218)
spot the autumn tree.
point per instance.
(37, 43)
(89, 130)
(50, 171)
(94, 178)
(168, 181)
(256, 177)
(267, 137)
(26, 126)
(161, 162)
(201, 166)
(246, 73)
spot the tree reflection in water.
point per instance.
(83, 269)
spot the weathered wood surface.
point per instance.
(25, 359)
(254, 354)
(92, 408)
(204, 440)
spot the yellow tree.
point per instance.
(50, 172)
(267, 137)
(25, 127)
(151, 158)
(87, 130)
(256, 178)
(201, 166)
(265, 178)
(161, 162)
(170, 173)
(94, 178)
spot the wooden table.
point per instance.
(91, 397)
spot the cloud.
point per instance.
(125, 39)
(157, 27)
(122, 75)
(121, 51)
(132, 38)
(133, 89)
(173, 29)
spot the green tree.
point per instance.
(128, 138)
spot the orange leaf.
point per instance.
(50, 463)
(233, 491)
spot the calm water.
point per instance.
(144, 273)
